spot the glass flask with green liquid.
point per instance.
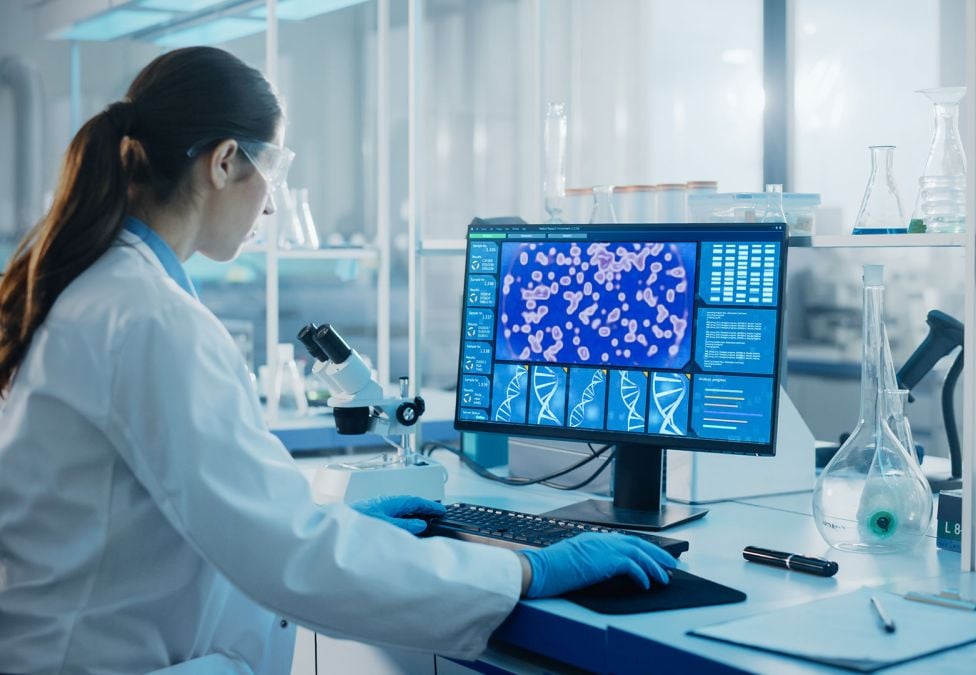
(873, 497)
(881, 211)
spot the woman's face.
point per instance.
(232, 218)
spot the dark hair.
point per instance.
(178, 99)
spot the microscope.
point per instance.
(945, 335)
(360, 406)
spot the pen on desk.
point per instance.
(791, 561)
(886, 621)
(943, 600)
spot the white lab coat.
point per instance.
(148, 517)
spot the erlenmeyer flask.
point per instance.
(880, 211)
(942, 187)
(290, 232)
(603, 205)
(554, 185)
(872, 497)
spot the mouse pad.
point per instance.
(621, 596)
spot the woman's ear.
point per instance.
(221, 165)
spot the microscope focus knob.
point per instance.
(408, 412)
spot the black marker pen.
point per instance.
(791, 561)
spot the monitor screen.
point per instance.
(662, 335)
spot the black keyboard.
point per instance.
(511, 529)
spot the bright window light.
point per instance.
(180, 5)
(113, 24)
(211, 33)
(297, 10)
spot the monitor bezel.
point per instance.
(673, 232)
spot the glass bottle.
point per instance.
(881, 211)
(872, 497)
(603, 205)
(942, 187)
(774, 204)
(554, 185)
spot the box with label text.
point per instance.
(949, 534)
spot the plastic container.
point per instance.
(635, 203)
(578, 204)
(753, 207)
(672, 203)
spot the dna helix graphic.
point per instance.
(512, 391)
(578, 413)
(544, 385)
(630, 395)
(668, 391)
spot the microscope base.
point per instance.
(350, 482)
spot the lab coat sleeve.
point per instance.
(186, 421)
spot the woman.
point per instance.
(147, 516)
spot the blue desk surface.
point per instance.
(566, 632)
(570, 634)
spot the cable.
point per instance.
(430, 446)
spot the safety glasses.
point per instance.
(271, 161)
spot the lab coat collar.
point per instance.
(167, 258)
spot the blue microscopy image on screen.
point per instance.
(667, 411)
(481, 290)
(733, 408)
(587, 396)
(596, 303)
(476, 358)
(477, 324)
(483, 258)
(547, 396)
(509, 393)
(627, 401)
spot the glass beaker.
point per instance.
(942, 187)
(554, 184)
(872, 497)
(603, 205)
(881, 211)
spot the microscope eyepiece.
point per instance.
(307, 337)
(332, 344)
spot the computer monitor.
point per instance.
(645, 336)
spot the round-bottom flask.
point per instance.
(873, 497)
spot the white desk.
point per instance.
(566, 633)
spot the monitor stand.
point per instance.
(638, 491)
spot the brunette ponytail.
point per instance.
(181, 98)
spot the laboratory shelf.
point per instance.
(880, 240)
(328, 253)
(435, 247)
(334, 253)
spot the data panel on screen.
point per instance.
(623, 332)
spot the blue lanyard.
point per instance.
(168, 259)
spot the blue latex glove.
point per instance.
(592, 557)
(392, 509)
